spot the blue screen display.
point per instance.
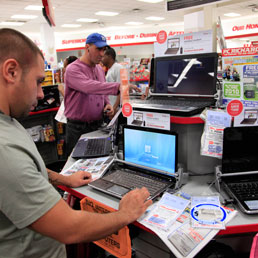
(150, 149)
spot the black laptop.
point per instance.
(147, 162)
(92, 147)
(183, 85)
(240, 166)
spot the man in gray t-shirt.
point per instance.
(34, 220)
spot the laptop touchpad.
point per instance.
(117, 189)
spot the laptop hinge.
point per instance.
(218, 176)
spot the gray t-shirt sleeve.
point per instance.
(26, 194)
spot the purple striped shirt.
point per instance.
(86, 91)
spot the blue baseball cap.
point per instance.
(97, 39)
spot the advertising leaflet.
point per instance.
(181, 238)
(240, 82)
(97, 166)
(166, 211)
(212, 139)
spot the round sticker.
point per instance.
(218, 216)
(234, 107)
(162, 37)
(127, 109)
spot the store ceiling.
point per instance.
(67, 11)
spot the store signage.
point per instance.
(119, 243)
(127, 109)
(117, 37)
(243, 51)
(235, 107)
(149, 119)
(181, 4)
(190, 43)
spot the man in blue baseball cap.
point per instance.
(86, 92)
(97, 39)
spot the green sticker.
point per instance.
(232, 90)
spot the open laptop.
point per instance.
(183, 85)
(250, 116)
(173, 45)
(146, 162)
(240, 166)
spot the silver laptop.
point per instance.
(147, 162)
(240, 166)
(182, 85)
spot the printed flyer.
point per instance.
(240, 81)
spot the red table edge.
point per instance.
(230, 230)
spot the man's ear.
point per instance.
(11, 70)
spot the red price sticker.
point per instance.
(127, 109)
(161, 37)
(235, 107)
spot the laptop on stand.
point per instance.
(92, 147)
(183, 85)
(147, 162)
(239, 170)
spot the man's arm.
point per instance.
(72, 226)
(75, 180)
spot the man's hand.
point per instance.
(135, 203)
(79, 178)
(134, 87)
(109, 111)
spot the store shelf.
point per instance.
(44, 111)
(186, 120)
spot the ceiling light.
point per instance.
(153, 18)
(10, 23)
(71, 25)
(34, 7)
(86, 20)
(106, 13)
(244, 39)
(232, 14)
(151, 1)
(26, 17)
(134, 23)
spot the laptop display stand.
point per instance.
(179, 177)
(218, 175)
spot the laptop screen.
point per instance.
(151, 148)
(186, 74)
(240, 150)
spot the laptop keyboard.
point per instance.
(245, 190)
(173, 102)
(95, 146)
(132, 180)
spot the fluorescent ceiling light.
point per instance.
(106, 13)
(232, 14)
(86, 20)
(134, 23)
(154, 18)
(71, 25)
(244, 39)
(12, 23)
(24, 16)
(34, 7)
(151, 1)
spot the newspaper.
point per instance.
(182, 239)
(97, 166)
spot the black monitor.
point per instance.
(186, 74)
